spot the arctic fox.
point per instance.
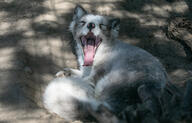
(111, 73)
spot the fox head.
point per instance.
(91, 31)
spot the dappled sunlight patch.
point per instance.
(61, 6)
(106, 9)
(144, 19)
(23, 8)
(165, 10)
(180, 7)
(133, 41)
(45, 17)
(157, 10)
(178, 75)
(7, 57)
(23, 25)
(29, 33)
(5, 51)
(159, 34)
(4, 27)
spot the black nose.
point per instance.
(90, 26)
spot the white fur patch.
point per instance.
(60, 94)
(71, 26)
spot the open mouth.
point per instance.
(90, 43)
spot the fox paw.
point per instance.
(65, 72)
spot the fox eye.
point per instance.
(82, 23)
(103, 27)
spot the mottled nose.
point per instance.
(90, 26)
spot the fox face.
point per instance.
(91, 31)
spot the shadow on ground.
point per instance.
(30, 48)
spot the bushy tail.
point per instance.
(69, 98)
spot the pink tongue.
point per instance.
(89, 52)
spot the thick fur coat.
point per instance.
(113, 74)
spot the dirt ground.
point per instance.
(35, 44)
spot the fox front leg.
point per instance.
(68, 72)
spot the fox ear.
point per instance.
(79, 12)
(115, 24)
